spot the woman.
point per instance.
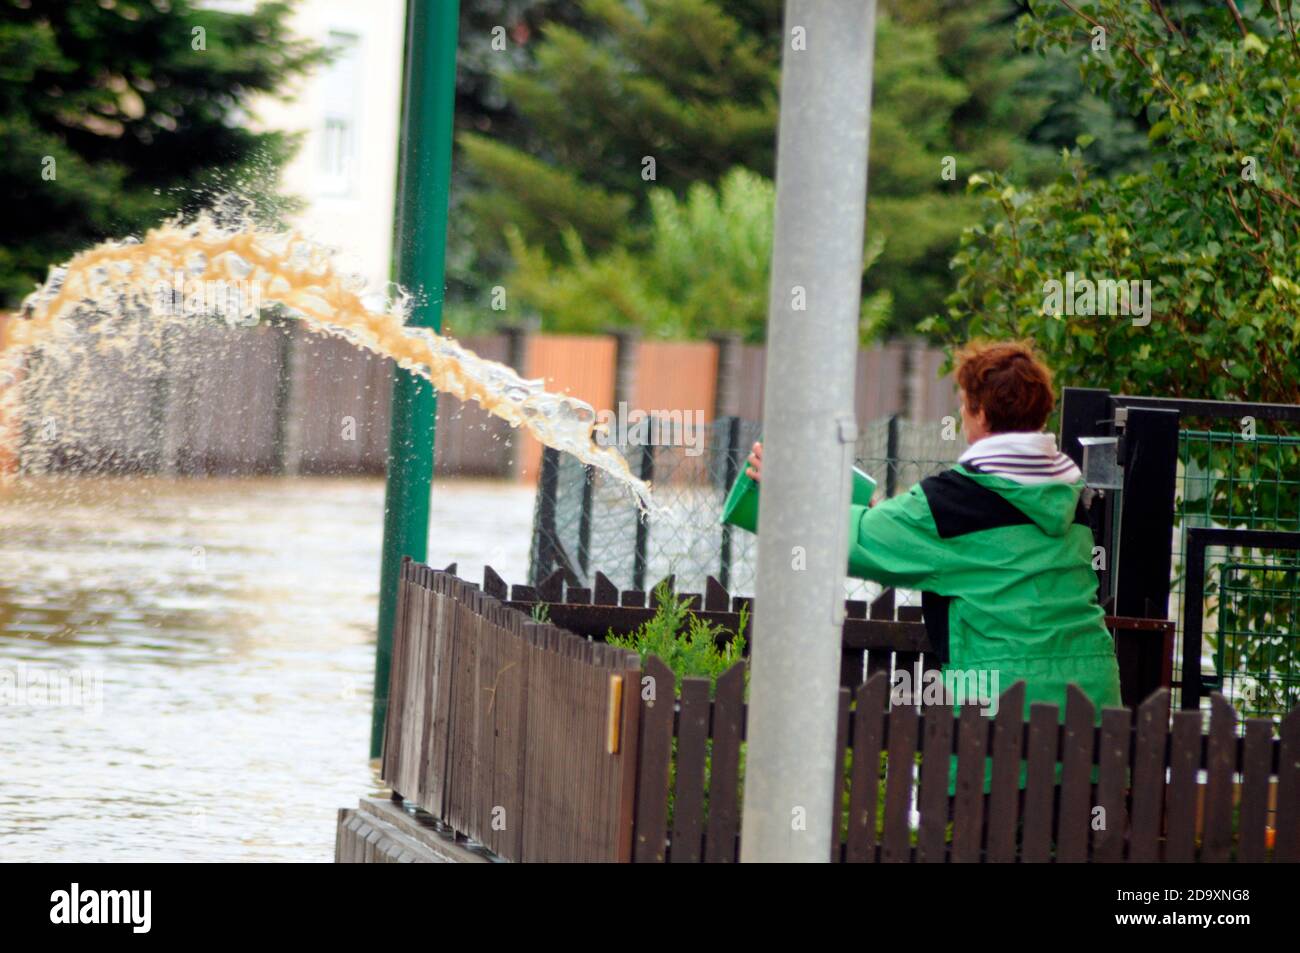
(999, 545)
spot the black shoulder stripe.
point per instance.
(934, 610)
(960, 505)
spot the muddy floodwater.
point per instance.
(186, 665)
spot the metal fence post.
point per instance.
(547, 540)
(730, 470)
(647, 473)
(891, 456)
(516, 358)
(584, 521)
(1193, 605)
(1146, 528)
(429, 104)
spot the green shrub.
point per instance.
(684, 642)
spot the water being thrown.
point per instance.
(221, 266)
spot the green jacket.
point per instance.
(1006, 568)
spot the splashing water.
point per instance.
(285, 268)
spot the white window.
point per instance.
(341, 123)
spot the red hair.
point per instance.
(1007, 381)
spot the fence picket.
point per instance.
(968, 811)
(1256, 769)
(390, 756)
(1112, 785)
(724, 775)
(896, 846)
(654, 762)
(1149, 778)
(1040, 783)
(692, 739)
(418, 701)
(868, 736)
(936, 758)
(1004, 795)
(629, 664)
(1221, 762)
(485, 680)
(837, 789)
(1184, 762)
(1076, 778)
(1287, 848)
(880, 660)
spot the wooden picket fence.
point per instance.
(517, 734)
(1139, 791)
(543, 745)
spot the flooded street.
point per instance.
(215, 643)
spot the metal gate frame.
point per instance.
(1199, 539)
(1135, 527)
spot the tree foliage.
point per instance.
(114, 114)
(692, 85)
(1212, 224)
(704, 264)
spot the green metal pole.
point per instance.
(420, 249)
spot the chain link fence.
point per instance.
(585, 522)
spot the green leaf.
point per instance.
(1252, 43)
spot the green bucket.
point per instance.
(741, 506)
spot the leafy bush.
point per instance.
(683, 641)
(669, 288)
(1213, 225)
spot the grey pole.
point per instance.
(809, 428)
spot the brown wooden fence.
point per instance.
(544, 745)
(1139, 790)
(517, 734)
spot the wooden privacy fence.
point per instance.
(517, 734)
(544, 745)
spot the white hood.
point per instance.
(1028, 458)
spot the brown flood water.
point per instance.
(215, 640)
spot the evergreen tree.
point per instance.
(115, 114)
(678, 92)
(682, 83)
(668, 288)
(625, 98)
